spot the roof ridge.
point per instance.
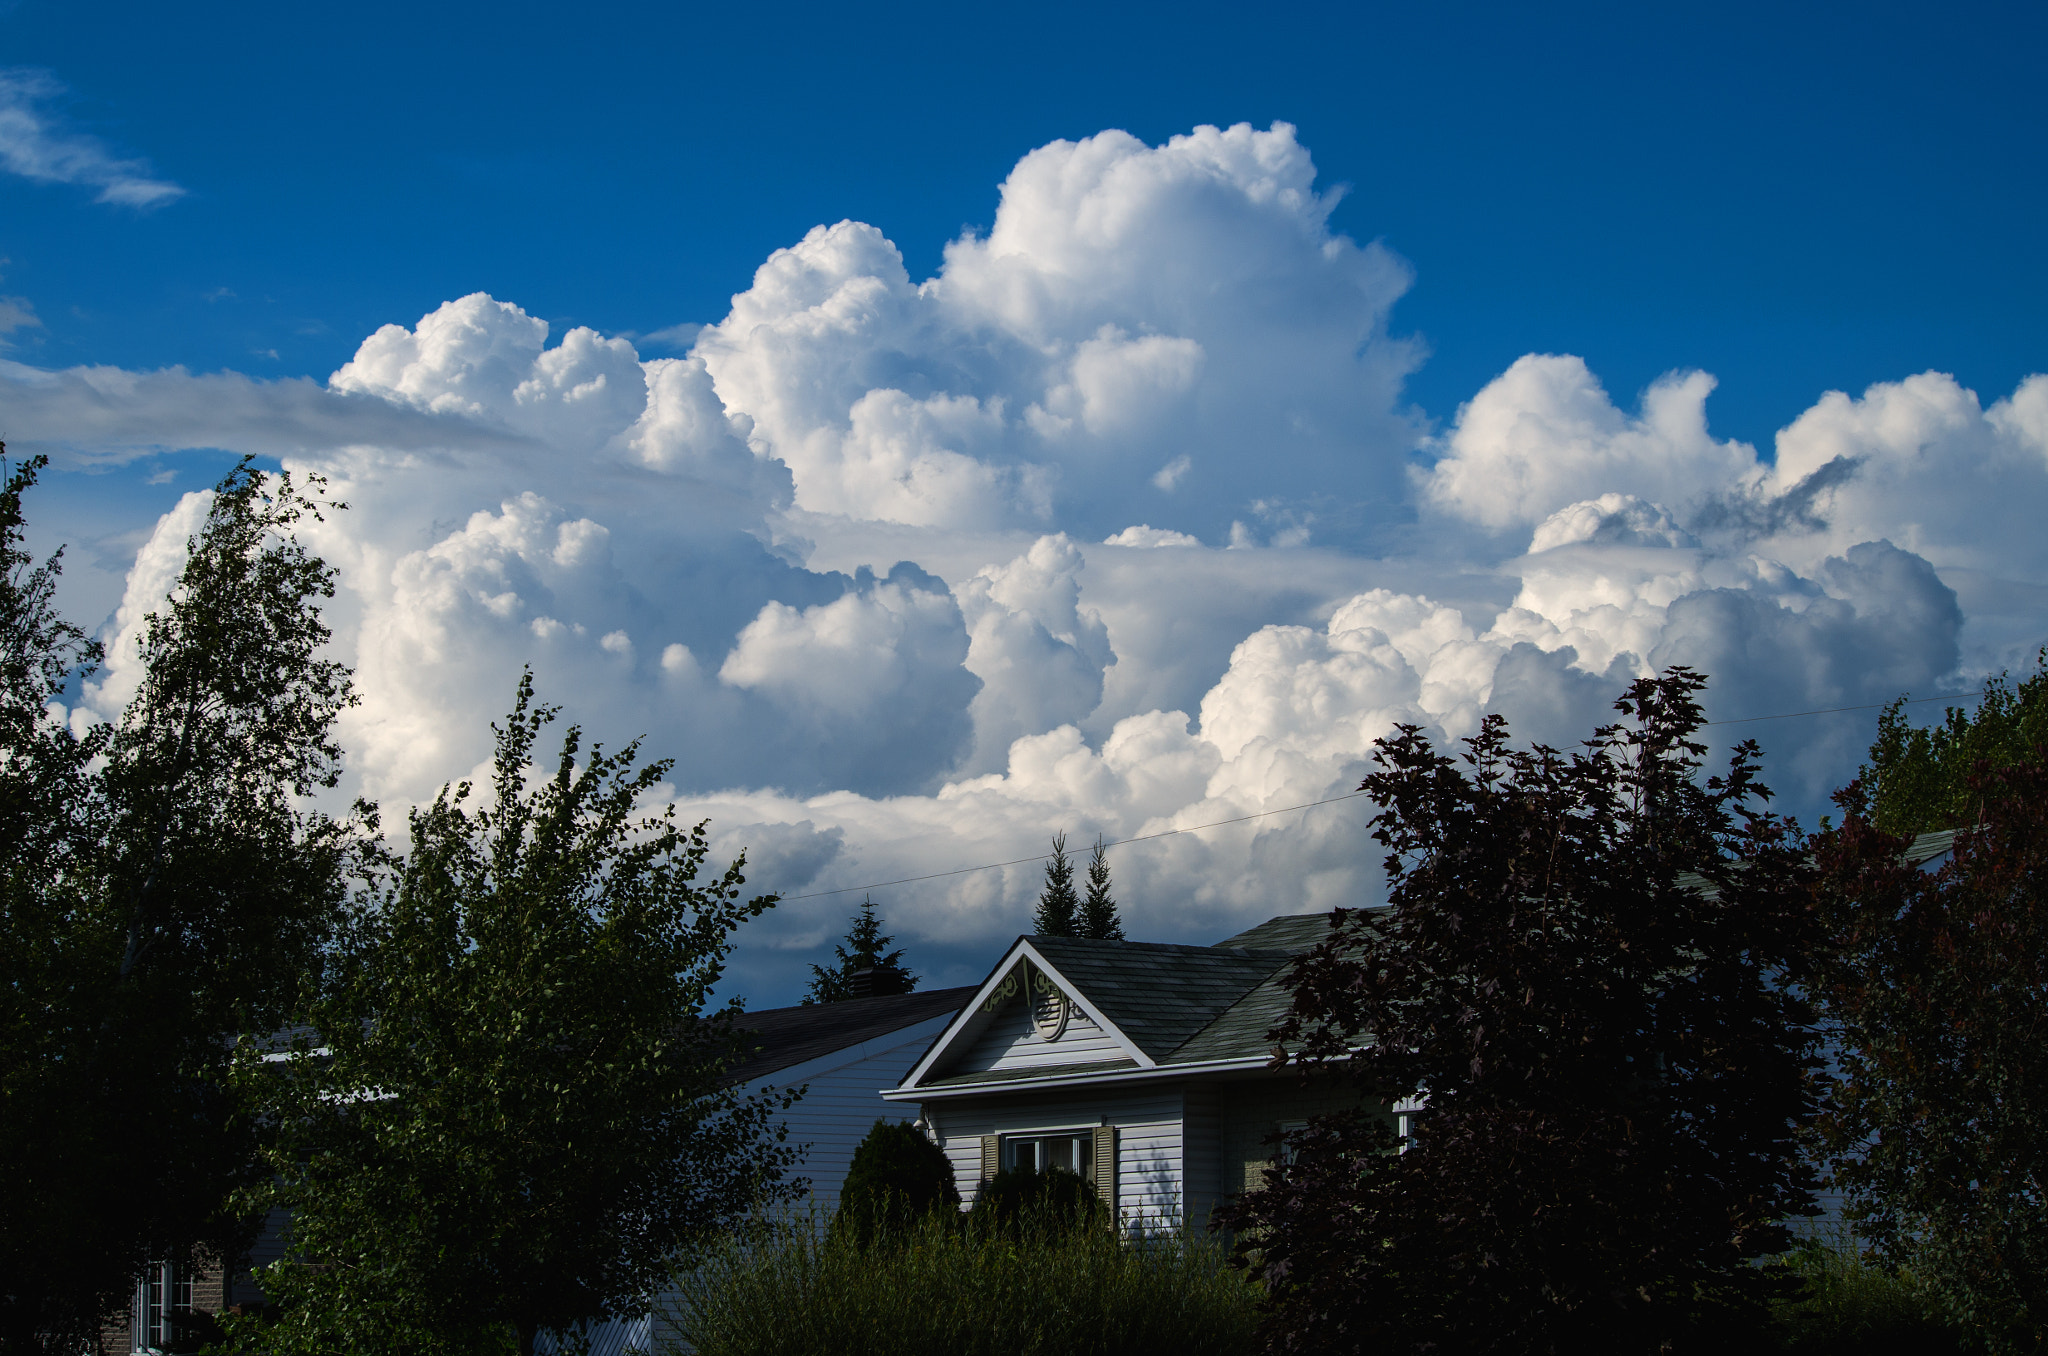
(1198, 948)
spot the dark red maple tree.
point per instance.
(1589, 970)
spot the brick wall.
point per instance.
(212, 1291)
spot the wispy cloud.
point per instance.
(673, 336)
(17, 313)
(36, 144)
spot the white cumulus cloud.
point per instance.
(1111, 526)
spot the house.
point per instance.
(1142, 1066)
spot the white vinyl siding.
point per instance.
(843, 1102)
(1008, 1042)
(1149, 1183)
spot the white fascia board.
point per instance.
(825, 1063)
(910, 1093)
(1020, 950)
(961, 1018)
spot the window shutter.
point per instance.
(991, 1155)
(1105, 1164)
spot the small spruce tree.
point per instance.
(1099, 920)
(1058, 907)
(866, 949)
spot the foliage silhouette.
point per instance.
(1098, 919)
(168, 887)
(897, 1177)
(866, 948)
(1588, 970)
(520, 1112)
(1939, 985)
(1058, 907)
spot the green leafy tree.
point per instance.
(1939, 1115)
(1921, 778)
(897, 1177)
(1587, 968)
(1058, 907)
(167, 889)
(865, 949)
(522, 1113)
(1099, 919)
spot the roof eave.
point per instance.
(932, 1094)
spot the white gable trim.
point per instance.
(1020, 952)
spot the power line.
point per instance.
(1836, 710)
(1288, 809)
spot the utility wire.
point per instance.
(1833, 710)
(1289, 809)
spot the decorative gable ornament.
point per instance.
(1050, 1006)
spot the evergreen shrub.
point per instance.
(897, 1177)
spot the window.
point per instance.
(164, 1295)
(1288, 1130)
(1072, 1151)
(1407, 1112)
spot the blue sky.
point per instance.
(1795, 198)
(1176, 459)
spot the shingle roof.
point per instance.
(1927, 846)
(782, 1037)
(1158, 994)
(1290, 932)
(1239, 1031)
(1183, 1004)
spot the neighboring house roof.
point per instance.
(784, 1037)
(1927, 846)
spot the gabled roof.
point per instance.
(782, 1037)
(1158, 994)
(1166, 1005)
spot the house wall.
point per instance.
(1202, 1149)
(1008, 1042)
(211, 1292)
(1251, 1112)
(843, 1100)
(1150, 1183)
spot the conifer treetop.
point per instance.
(1099, 920)
(1058, 907)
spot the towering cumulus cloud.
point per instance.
(1106, 528)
